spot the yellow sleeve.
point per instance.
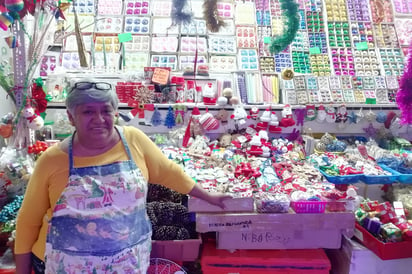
(39, 193)
(160, 169)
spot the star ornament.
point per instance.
(352, 118)
(370, 130)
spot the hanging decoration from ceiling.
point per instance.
(213, 21)
(290, 26)
(404, 95)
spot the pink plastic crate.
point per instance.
(309, 206)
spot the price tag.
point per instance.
(125, 37)
(362, 46)
(160, 76)
(314, 50)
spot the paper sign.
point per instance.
(370, 101)
(315, 50)
(125, 37)
(160, 76)
(362, 46)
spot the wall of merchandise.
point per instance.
(349, 52)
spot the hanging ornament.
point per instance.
(289, 9)
(38, 96)
(156, 118)
(14, 5)
(370, 116)
(352, 118)
(341, 114)
(381, 117)
(170, 118)
(321, 117)
(5, 21)
(180, 111)
(213, 21)
(330, 114)
(370, 130)
(178, 13)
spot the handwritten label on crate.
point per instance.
(240, 224)
(265, 237)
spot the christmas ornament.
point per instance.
(300, 114)
(5, 20)
(14, 5)
(274, 124)
(208, 122)
(341, 114)
(310, 112)
(381, 117)
(222, 115)
(170, 118)
(330, 114)
(156, 118)
(239, 115)
(287, 117)
(321, 115)
(264, 120)
(370, 116)
(34, 121)
(287, 74)
(352, 118)
(11, 42)
(370, 130)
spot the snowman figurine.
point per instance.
(33, 120)
(239, 115)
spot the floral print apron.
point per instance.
(99, 223)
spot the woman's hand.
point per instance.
(216, 199)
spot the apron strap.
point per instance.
(119, 130)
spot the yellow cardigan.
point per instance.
(51, 173)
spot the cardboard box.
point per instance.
(177, 250)
(280, 238)
(355, 258)
(231, 205)
(385, 251)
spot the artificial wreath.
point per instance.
(290, 26)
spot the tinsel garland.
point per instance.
(289, 10)
(404, 94)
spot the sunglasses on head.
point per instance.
(89, 85)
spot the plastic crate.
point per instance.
(385, 251)
(309, 206)
(298, 261)
(342, 179)
(382, 179)
(404, 178)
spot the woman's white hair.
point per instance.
(76, 97)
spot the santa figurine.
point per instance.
(255, 146)
(287, 117)
(321, 117)
(274, 124)
(254, 112)
(341, 114)
(264, 120)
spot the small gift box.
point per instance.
(360, 215)
(373, 225)
(391, 233)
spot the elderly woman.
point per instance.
(84, 207)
